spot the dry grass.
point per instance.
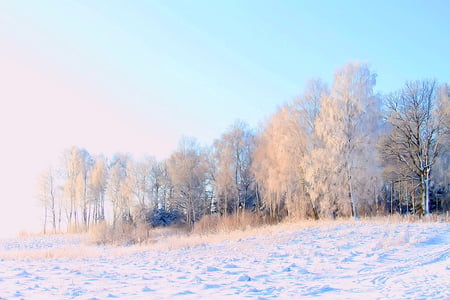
(127, 235)
(397, 218)
(215, 229)
(209, 230)
(227, 231)
(210, 224)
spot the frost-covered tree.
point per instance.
(119, 191)
(345, 157)
(441, 172)
(47, 189)
(186, 168)
(139, 181)
(77, 167)
(282, 155)
(162, 188)
(82, 183)
(277, 163)
(233, 176)
(97, 185)
(417, 118)
(308, 106)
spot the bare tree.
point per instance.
(417, 131)
(47, 190)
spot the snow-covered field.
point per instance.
(334, 261)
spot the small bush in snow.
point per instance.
(162, 218)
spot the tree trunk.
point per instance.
(427, 191)
(350, 193)
(45, 220)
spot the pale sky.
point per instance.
(135, 76)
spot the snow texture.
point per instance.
(340, 261)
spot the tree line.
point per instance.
(336, 151)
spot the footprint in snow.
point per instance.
(318, 291)
(211, 286)
(289, 268)
(17, 294)
(244, 278)
(23, 274)
(112, 296)
(146, 289)
(184, 293)
(197, 279)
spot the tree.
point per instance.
(278, 163)
(162, 188)
(186, 168)
(282, 155)
(344, 158)
(77, 167)
(441, 173)
(309, 106)
(119, 190)
(86, 163)
(47, 196)
(138, 180)
(233, 175)
(417, 131)
(97, 187)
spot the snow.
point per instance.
(337, 260)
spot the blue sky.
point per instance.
(134, 76)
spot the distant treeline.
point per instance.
(333, 152)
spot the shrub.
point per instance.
(163, 218)
(100, 233)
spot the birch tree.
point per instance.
(309, 106)
(344, 127)
(141, 183)
(162, 188)
(119, 191)
(77, 165)
(47, 190)
(282, 155)
(85, 164)
(234, 179)
(187, 172)
(278, 163)
(97, 187)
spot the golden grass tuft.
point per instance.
(211, 224)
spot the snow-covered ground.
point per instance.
(334, 261)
